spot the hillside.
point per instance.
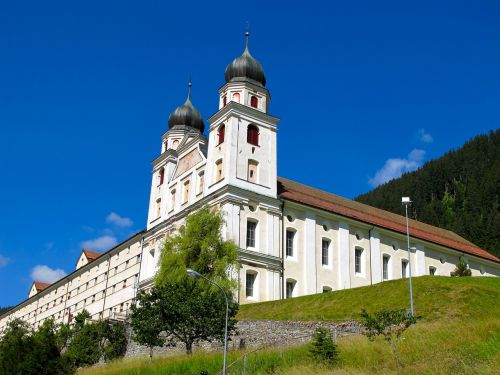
(4, 309)
(459, 332)
(460, 191)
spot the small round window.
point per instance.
(358, 236)
(251, 207)
(394, 247)
(325, 228)
(442, 260)
(289, 218)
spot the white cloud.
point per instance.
(46, 274)
(4, 261)
(100, 243)
(394, 168)
(119, 221)
(424, 137)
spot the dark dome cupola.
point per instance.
(245, 66)
(187, 115)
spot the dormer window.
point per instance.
(254, 102)
(222, 133)
(253, 135)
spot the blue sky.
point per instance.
(365, 90)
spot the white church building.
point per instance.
(293, 240)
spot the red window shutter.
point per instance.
(254, 102)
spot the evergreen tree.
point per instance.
(460, 192)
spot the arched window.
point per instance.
(254, 102)
(224, 100)
(236, 97)
(253, 135)
(162, 175)
(222, 133)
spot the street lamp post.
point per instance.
(406, 201)
(194, 273)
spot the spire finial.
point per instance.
(189, 88)
(247, 33)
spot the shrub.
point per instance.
(462, 268)
(323, 347)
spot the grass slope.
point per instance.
(434, 298)
(459, 333)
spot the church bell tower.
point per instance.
(242, 135)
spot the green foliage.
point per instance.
(387, 323)
(198, 245)
(190, 310)
(458, 191)
(186, 311)
(85, 347)
(89, 341)
(116, 340)
(390, 324)
(462, 269)
(323, 348)
(145, 321)
(23, 351)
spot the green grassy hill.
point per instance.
(435, 298)
(459, 333)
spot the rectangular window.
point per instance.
(432, 271)
(357, 260)
(290, 234)
(201, 182)
(185, 193)
(172, 199)
(325, 244)
(250, 281)
(218, 170)
(158, 208)
(251, 226)
(404, 267)
(385, 267)
(252, 171)
(290, 286)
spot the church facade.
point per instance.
(293, 240)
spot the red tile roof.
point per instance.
(91, 254)
(293, 191)
(40, 285)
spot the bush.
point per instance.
(323, 347)
(462, 269)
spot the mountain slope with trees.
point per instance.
(460, 192)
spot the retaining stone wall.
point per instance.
(256, 334)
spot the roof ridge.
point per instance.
(383, 218)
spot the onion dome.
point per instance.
(245, 66)
(187, 115)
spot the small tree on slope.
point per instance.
(390, 324)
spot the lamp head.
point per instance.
(193, 273)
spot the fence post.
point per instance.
(244, 364)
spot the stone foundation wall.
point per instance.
(253, 334)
